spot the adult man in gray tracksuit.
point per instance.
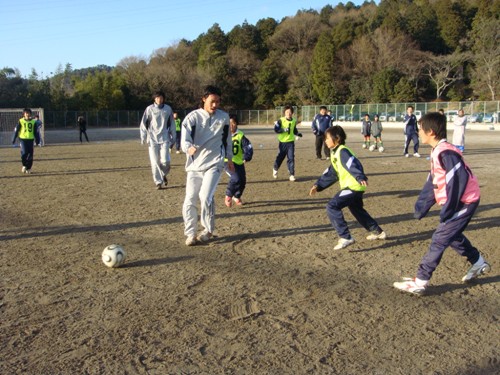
(206, 140)
(158, 131)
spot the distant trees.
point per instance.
(398, 50)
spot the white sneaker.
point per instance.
(177, 152)
(204, 237)
(476, 270)
(292, 178)
(23, 170)
(343, 243)
(275, 173)
(416, 155)
(375, 236)
(191, 241)
(406, 155)
(409, 285)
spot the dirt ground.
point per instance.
(268, 296)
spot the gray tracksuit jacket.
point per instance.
(157, 125)
(210, 135)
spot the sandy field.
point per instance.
(268, 295)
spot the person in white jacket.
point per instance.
(206, 140)
(459, 124)
(158, 131)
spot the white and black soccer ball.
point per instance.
(113, 256)
(364, 145)
(381, 149)
(372, 148)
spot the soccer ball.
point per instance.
(364, 145)
(381, 149)
(372, 147)
(113, 256)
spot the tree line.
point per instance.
(396, 51)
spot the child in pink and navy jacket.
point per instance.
(451, 185)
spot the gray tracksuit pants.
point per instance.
(200, 186)
(160, 161)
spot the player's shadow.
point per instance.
(437, 290)
(156, 261)
(481, 151)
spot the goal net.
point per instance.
(9, 118)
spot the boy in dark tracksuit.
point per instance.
(27, 133)
(411, 132)
(321, 122)
(286, 128)
(451, 185)
(242, 153)
(348, 171)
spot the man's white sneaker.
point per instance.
(275, 173)
(416, 155)
(409, 285)
(292, 178)
(191, 241)
(376, 236)
(343, 243)
(406, 155)
(476, 270)
(204, 237)
(23, 170)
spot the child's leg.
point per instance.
(233, 186)
(240, 171)
(361, 215)
(281, 156)
(446, 234)
(334, 211)
(290, 153)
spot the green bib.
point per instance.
(27, 130)
(346, 180)
(288, 136)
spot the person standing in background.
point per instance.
(411, 132)
(459, 124)
(82, 125)
(321, 122)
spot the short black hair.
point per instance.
(288, 107)
(159, 93)
(323, 107)
(434, 121)
(27, 110)
(234, 118)
(337, 134)
(211, 90)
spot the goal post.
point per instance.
(9, 118)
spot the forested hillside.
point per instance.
(394, 51)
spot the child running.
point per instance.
(242, 153)
(26, 131)
(346, 169)
(451, 185)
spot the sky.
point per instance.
(45, 34)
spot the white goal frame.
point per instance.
(9, 117)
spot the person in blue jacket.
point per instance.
(411, 132)
(348, 171)
(321, 122)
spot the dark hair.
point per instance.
(375, 116)
(27, 110)
(323, 107)
(366, 114)
(434, 121)
(337, 134)
(211, 90)
(288, 107)
(410, 106)
(159, 93)
(234, 118)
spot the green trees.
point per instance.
(398, 50)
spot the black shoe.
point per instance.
(165, 180)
